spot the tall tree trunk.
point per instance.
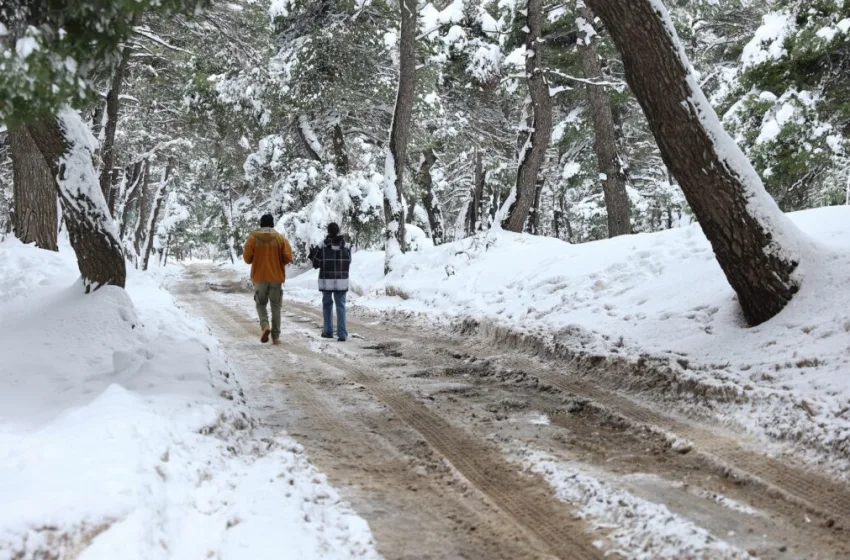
(130, 199)
(140, 231)
(534, 152)
(308, 138)
(557, 214)
(533, 226)
(411, 209)
(400, 134)
(340, 151)
(227, 209)
(476, 206)
(34, 186)
(757, 247)
(112, 107)
(469, 215)
(610, 166)
(67, 147)
(158, 199)
(115, 188)
(429, 200)
(97, 119)
(164, 260)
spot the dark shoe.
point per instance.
(266, 333)
(341, 339)
(327, 335)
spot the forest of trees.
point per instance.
(165, 129)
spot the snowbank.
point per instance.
(660, 294)
(124, 435)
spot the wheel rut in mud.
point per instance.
(526, 500)
(813, 491)
(415, 427)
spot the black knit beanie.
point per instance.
(267, 221)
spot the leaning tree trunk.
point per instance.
(756, 245)
(158, 199)
(429, 200)
(67, 146)
(36, 219)
(534, 152)
(107, 153)
(400, 134)
(608, 160)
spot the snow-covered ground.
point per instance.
(659, 296)
(123, 433)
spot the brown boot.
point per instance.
(266, 333)
(276, 341)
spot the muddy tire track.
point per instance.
(524, 500)
(796, 484)
(816, 493)
(433, 382)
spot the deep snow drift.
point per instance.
(661, 296)
(123, 434)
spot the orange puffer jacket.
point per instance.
(268, 252)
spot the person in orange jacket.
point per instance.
(268, 253)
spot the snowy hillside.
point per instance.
(660, 296)
(123, 433)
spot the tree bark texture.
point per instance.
(556, 223)
(114, 189)
(97, 119)
(340, 151)
(34, 187)
(145, 209)
(158, 199)
(533, 155)
(107, 154)
(533, 226)
(718, 187)
(429, 200)
(610, 166)
(477, 219)
(130, 199)
(400, 131)
(92, 232)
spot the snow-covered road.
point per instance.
(454, 447)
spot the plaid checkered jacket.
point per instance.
(333, 259)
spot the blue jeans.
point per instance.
(328, 299)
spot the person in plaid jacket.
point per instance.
(333, 259)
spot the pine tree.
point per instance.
(756, 246)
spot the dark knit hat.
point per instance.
(267, 221)
(333, 229)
